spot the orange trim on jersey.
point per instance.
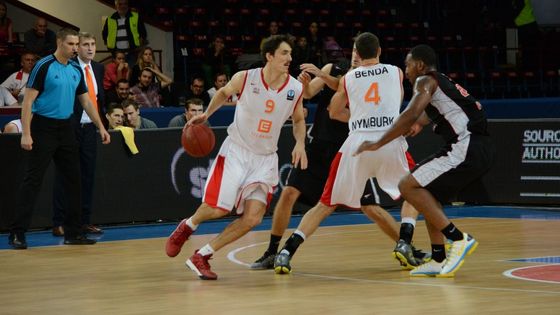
(266, 85)
(327, 191)
(212, 192)
(410, 160)
(243, 86)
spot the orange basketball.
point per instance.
(198, 140)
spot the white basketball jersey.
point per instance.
(261, 112)
(374, 95)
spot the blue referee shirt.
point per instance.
(58, 85)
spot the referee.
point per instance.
(47, 135)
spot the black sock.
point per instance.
(273, 244)
(452, 232)
(293, 243)
(406, 232)
(438, 252)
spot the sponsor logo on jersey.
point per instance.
(372, 122)
(291, 95)
(256, 90)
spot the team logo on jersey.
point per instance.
(291, 95)
(256, 90)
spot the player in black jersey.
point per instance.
(467, 155)
(327, 135)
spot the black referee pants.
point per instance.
(53, 139)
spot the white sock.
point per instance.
(190, 224)
(409, 220)
(300, 233)
(206, 250)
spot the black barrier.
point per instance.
(162, 182)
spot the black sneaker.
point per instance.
(265, 262)
(282, 264)
(420, 255)
(403, 253)
(17, 241)
(79, 240)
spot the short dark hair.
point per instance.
(64, 32)
(367, 45)
(194, 101)
(424, 53)
(272, 43)
(122, 81)
(117, 51)
(129, 102)
(112, 106)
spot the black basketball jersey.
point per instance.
(325, 128)
(454, 111)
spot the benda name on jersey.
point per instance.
(370, 72)
(372, 122)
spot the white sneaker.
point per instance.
(430, 269)
(457, 253)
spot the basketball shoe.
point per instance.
(420, 255)
(430, 269)
(177, 239)
(282, 264)
(457, 253)
(199, 264)
(265, 262)
(404, 255)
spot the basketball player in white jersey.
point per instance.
(467, 154)
(374, 93)
(245, 171)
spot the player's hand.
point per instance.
(26, 142)
(198, 119)
(311, 68)
(299, 157)
(367, 146)
(105, 136)
(414, 130)
(304, 78)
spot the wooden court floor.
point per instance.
(339, 270)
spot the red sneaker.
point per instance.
(199, 264)
(177, 239)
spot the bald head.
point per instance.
(41, 27)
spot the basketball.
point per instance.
(198, 140)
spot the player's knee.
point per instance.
(290, 193)
(405, 186)
(252, 220)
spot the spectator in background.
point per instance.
(196, 90)
(124, 30)
(120, 93)
(220, 81)
(132, 116)
(16, 82)
(193, 107)
(147, 92)
(315, 43)
(116, 70)
(300, 55)
(6, 28)
(145, 59)
(114, 115)
(272, 30)
(6, 98)
(40, 40)
(217, 59)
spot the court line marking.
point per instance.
(232, 258)
(509, 274)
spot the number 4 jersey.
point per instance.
(261, 112)
(374, 95)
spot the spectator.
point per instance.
(193, 107)
(315, 43)
(300, 55)
(196, 90)
(13, 126)
(6, 31)
(124, 30)
(6, 98)
(147, 92)
(114, 115)
(120, 93)
(220, 81)
(40, 40)
(217, 60)
(272, 30)
(16, 82)
(132, 116)
(116, 70)
(145, 59)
